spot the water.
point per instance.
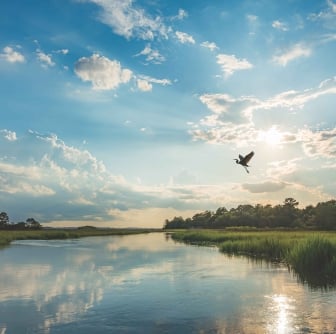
(149, 284)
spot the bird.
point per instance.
(244, 160)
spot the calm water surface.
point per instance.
(149, 284)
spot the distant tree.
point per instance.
(287, 215)
(4, 220)
(307, 216)
(325, 215)
(202, 219)
(176, 222)
(291, 202)
(221, 211)
(87, 227)
(20, 225)
(33, 224)
(264, 215)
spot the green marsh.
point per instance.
(6, 236)
(310, 255)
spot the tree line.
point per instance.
(285, 215)
(30, 223)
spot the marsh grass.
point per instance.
(314, 260)
(310, 255)
(7, 236)
(268, 248)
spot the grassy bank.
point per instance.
(45, 234)
(309, 254)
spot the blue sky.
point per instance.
(125, 113)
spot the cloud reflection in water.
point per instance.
(146, 283)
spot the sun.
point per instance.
(272, 136)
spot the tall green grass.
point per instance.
(314, 260)
(268, 248)
(310, 255)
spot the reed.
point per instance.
(314, 260)
(266, 248)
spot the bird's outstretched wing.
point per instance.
(248, 157)
(241, 158)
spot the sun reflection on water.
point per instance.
(280, 312)
(145, 284)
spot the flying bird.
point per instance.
(244, 160)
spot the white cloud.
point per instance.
(65, 183)
(23, 180)
(242, 108)
(239, 135)
(63, 51)
(318, 143)
(72, 154)
(12, 56)
(209, 45)
(264, 187)
(103, 73)
(32, 172)
(152, 56)
(163, 82)
(327, 16)
(297, 51)
(9, 135)
(232, 119)
(72, 184)
(326, 38)
(332, 6)
(181, 14)
(144, 85)
(184, 37)
(231, 64)
(279, 25)
(294, 99)
(229, 109)
(44, 59)
(282, 168)
(128, 21)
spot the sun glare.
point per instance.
(272, 136)
(280, 311)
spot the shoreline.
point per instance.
(310, 255)
(7, 236)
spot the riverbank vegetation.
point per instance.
(310, 255)
(286, 215)
(32, 229)
(29, 224)
(7, 236)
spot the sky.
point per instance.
(125, 113)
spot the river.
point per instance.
(149, 284)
